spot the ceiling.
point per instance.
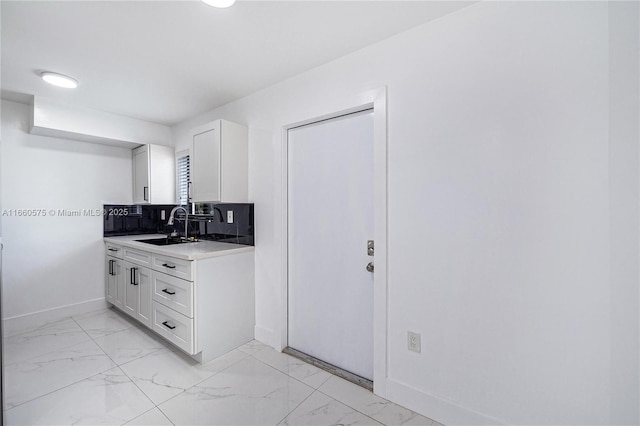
(166, 61)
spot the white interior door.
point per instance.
(330, 214)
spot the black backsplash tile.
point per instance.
(209, 222)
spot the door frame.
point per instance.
(376, 100)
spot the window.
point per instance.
(183, 175)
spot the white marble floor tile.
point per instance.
(49, 338)
(298, 369)
(108, 398)
(130, 344)
(320, 410)
(366, 402)
(247, 393)
(153, 417)
(419, 420)
(252, 347)
(164, 374)
(11, 328)
(38, 376)
(103, 322)
(225, 361)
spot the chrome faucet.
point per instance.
(186, 219)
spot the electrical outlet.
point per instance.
(413, 341)
(162, 215)
(229, 216)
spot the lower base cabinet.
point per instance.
(137, 292)
(113, 277)
(205, 317)
(173, 326)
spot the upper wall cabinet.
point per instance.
(220, 162)
(154, 175)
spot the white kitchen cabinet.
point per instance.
(220, 162)
(204, 307)
(137, 292)
(114, 281)
(154, 175)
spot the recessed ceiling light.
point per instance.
(59, 80)
(219, 3)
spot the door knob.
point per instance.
(370, 266)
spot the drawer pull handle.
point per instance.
(168, 292)
(112, 249)
(133, 276)
(169, 266)
(170, 327)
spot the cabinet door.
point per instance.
(111, 284)
(205, 181)
(141, 175)
(131, 292)
(114, 281)
(143, 279)
(118, 270)
(234, 163)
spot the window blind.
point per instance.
(183, 175)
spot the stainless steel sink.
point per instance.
(166, 241)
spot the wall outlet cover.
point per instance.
(229, 216)
(413, 342)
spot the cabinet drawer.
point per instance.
(114, 250)
(173, 266)
(173, 326)
(173, 292)
(137, 256)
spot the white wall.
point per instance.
(624, 168)
(500, 209)
(55, 261)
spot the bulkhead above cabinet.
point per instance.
(50, 117)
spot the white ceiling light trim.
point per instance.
(59, 80)
(220, 3)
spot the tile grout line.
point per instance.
(201, 381)
(119, 368)
(55, 334)
(314, 390)
(70, 384)
(367, 415)
(165, 414)
(148, 411)
(294, 408)
(120, 365)
(286, 374)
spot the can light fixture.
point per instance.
(59, 80)
(220, 3)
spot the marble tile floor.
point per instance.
(103, 368)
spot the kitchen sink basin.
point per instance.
(167, 241)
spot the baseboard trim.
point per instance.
(26, 322)
(438, 409)
(266, 336)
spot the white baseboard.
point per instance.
(438, 409)
(22, 323)
(266, 336)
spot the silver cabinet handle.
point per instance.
(370, 266)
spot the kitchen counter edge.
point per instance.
(186, 251)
